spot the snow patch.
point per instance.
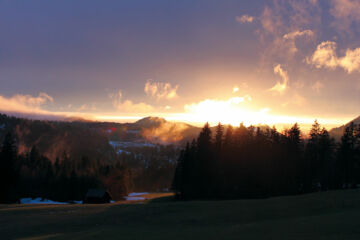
(135, 196)
(44, 201)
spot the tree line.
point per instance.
(248, 162)
(32, 174)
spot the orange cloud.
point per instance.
(281, 24)
(280, 87)
(296, 34)
(244, 19)
(24, 103)
(128, 106)
(31, 107)
(292, 36)
(325, 56)
(160, 90)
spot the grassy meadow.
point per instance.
(325, 215)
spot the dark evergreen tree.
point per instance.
(204, 164)
(319, 159)
(347, 158)
(219, 138)
(8, 171)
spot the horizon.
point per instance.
(281, 127)
(265, 62)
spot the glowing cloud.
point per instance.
(32, 107)
(292, 36)
(280, 87)
(244, 19)
(296, 34)
(160, 90)
(128, 106)
(24, 103)
(282, 22)
(325, 56)
(235, 89)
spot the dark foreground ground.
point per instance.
(327, 215)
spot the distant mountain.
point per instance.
(78, 138)
(154, 130)
(149, 122)
(337, 133)
(101, 140)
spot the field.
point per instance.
(326, 215)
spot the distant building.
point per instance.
(97, 196)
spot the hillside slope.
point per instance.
(79, 138)
(54, 138)
(339, 131)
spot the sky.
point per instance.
(259, 62)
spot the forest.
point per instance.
(247, 162)
(31, 174)
(224, 162)
(60, 161)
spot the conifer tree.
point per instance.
(204, 164)
(8, 174)
(346, 155)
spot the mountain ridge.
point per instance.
(337, 132)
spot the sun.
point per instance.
(231, 111)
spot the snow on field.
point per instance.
(44, 201)
(131, 197)
(135, 196)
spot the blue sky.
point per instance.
(293, 60)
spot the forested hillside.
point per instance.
(53, 138)
(337, 132)
(62, 160)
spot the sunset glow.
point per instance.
(227, 119)
(258, 63)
